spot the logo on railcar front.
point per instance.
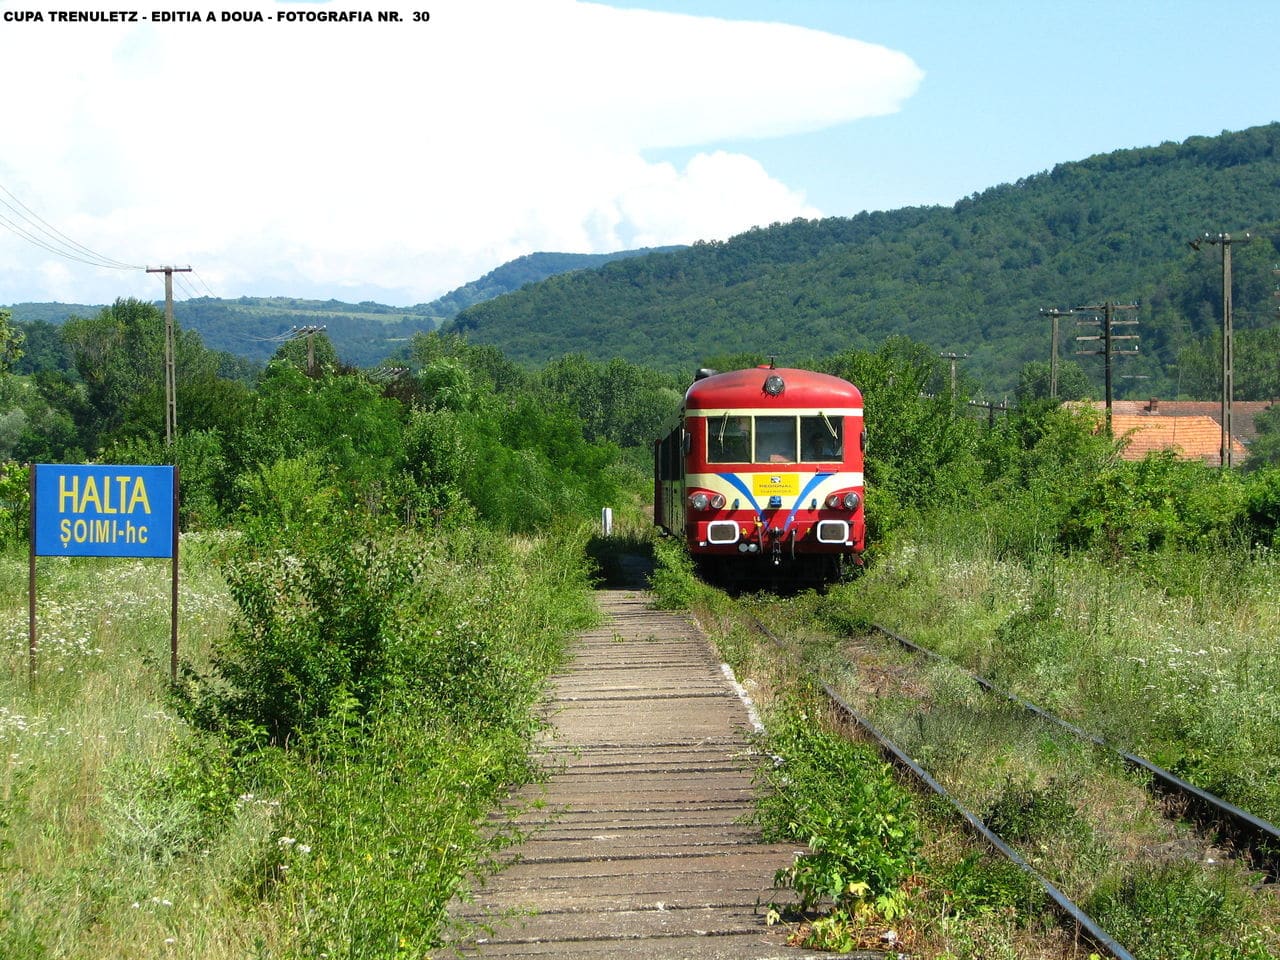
(775, 484)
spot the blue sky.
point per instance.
(1013, 88)
(396, 161)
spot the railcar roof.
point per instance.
(745, 388)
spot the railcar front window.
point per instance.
(728, 439)
(821, 438)
(775, 440)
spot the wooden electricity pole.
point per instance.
(954, 358)
(1054, 314)
(1108, 321)
(991, 407)
(170, 375)
(1225, 240)
(309, 332)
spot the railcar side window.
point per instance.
(821, 438)
(728, 439)
(775, 440)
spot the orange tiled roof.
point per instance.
(1190, 437)
(1242, 411)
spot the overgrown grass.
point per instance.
(1073, 810)
(1169, 655)
(885, 868)
(127, 831)
(1160, 657)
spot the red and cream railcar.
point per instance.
(762, 476)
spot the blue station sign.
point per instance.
(103, 510)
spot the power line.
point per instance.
(953, 357)
(35, 230)
(1054, 314)
(21, 232)
(207, 288)
(187, 288)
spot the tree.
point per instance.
(119, 356)
(1034, 382)
(1265, 450)
(341, 421)
(618, 401)
(11, 339)
(920, 453)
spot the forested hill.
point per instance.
(514, 274)
(970, 278)
(363, 334)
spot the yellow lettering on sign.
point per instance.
(111, 498)
(90, 495)
(65, 493)
(775, 484)
(139, 495)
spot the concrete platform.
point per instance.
(642, 849)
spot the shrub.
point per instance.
(1262, 506)
(842, 800)
(15, 503)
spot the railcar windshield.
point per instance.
(774, 439)
(821, 438)
(728, 439)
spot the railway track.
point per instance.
(1253, 837)
(1256, 838)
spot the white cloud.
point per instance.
(404, 159)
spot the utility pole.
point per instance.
(1054, 314)
(310, 333)
(991, 407)
(1108, 338)
(170, 374)
(1225, 240)
(953, 357)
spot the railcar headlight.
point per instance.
(774, 385)
(699, 501)
(717, 501)
(847, 501)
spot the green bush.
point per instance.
(15, 504)
(160, 808)
(1156, 503)
(386, 825)
(842, 800)
(674, 583)
(1026, 813)
(1262, 506)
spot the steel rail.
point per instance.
(1096, 934)
(1265, 850)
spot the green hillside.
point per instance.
(363, 334)
(253, 328)
(514, 274)
(970, 278)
